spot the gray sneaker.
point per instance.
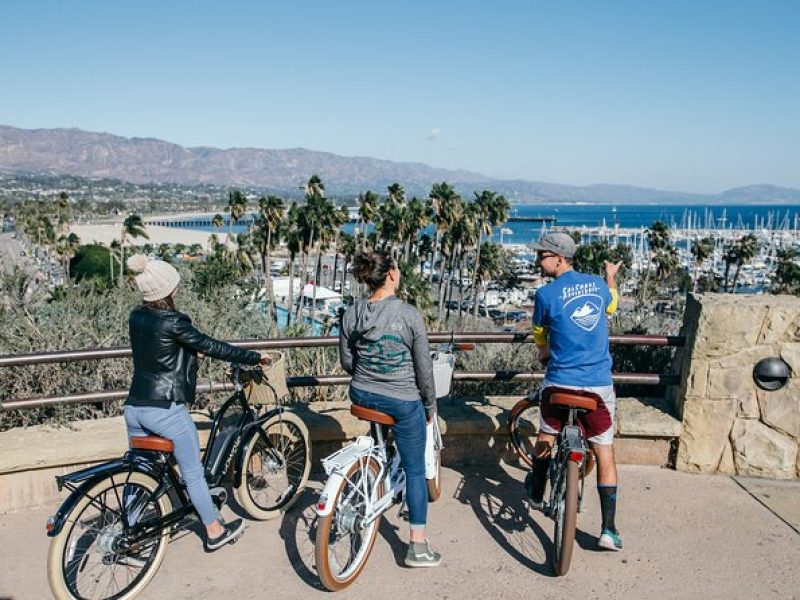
(420, 555)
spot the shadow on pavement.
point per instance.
(498, 499)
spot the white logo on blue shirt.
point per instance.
(587, 314)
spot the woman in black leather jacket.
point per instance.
(165, 345)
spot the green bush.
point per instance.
(92, 262)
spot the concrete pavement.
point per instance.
(686, 536)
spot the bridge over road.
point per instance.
(686, 536)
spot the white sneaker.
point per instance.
(610, 540)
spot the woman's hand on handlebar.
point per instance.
(265, 359)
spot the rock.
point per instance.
(790, 353)
(781, 409)
(778, 322)
(706, 425)
(734, 382)
(761, 451)
(726, 464)
(723, 331)
(748, 407)
(646, 417)
(698, 379)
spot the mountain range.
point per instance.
(145, 160)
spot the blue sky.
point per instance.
(694, 96)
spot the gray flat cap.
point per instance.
(557, 243)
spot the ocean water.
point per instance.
(575, 216)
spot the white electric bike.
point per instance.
(365, 479)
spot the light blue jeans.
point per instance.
(175, 424)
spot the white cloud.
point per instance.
(433, 134)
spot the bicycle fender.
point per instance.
(253, 429)
(324, 505)
(336, 465)
(96, 474)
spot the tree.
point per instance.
(702, 250)
(591, 257)
(491, 211)
(66, 247)
(237, 207)
(662, 254)
(745, 250)
(489, 266)
(270, 215)
(787, 272)
(347, 245)
(92, 261)
(443, 197)
(218, 221)
(64, 215)
(132, 226)
(367, 213)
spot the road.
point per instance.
(10, 256)
(686, 536)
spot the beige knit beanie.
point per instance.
(156, 279)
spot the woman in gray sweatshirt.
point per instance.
(383, 344)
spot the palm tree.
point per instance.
(218, 221)
(293, 234)
(442, 197)
(746, 249)
(367, 212)
(491, 211)
(237, 207)
(132, 226)
(270, 215)
(347, 246)
(416, 217)
(787, 273)
(662, 253)
(63, 212)
(701, 250)
(489, 265)
(66, 247)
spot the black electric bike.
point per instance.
(110, 535)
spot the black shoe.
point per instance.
(232, 532)
(537, 500)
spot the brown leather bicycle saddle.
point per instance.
(152, 442)
(566, 398)
(371, 415)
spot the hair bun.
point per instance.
(137, 263)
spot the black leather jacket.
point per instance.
(165, 346)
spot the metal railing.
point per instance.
(93, 354)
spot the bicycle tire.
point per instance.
(260, 475)
(566, 520)
(64, 585)
(435, 484)
(519, 432)
(329, 525)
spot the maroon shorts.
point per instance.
(597, 426)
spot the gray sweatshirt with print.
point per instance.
(384, 346)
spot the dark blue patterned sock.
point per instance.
(608, 505)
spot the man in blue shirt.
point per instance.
(570, 329)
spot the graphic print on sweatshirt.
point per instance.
(387, 354)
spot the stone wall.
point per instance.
(729, 424)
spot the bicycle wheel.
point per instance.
(273, 478)
(88, 558)
(435, 483)
(522, 426)
(343, 543)
(566, 519)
